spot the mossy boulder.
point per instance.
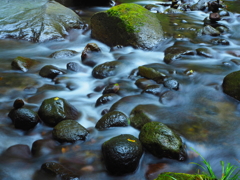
(127, 24)
(122, 154)
(36, 21)
(231, 85)
(24, 118)
(151, 73)
(69, 131)
(182, 176)
(112, 119)
(161, 141)
(54, 110)
(23, 63)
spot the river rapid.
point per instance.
(205, 118)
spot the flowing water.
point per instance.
(205, 117)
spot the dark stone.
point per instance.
(57, 170)
(106, 98)
(214, 17)
(50, 71)
(122, 154)
(23, 63)
(151, 73)
(106, 69)
(18, 103)
(142, 83)
(73, 66)
(43, 147)
(112, 119)
(152, 89)
(213, 6)
(54, 110)
(90, 54)
(69, 131)
(113, 88)
(204, 52)
(173, 53)
(21, 151)
(24, 118)
(37, 21)
(171, 83)
(231, 85)
(138, 117)
(141, 28)
(219, 42)
(161, 141)
(65, 53)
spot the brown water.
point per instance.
(205, 117)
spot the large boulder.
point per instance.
(36, 21)
(54, 110)
(161, 141)
(122, 154)
(231, 85)
(128, 25)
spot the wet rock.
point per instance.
(152, 89)
(219, 41)
(152, 8)
(44, 20)
(231, 85)
(151, 73)
(106, 98)
(173, 53)
(18, 103)
(121, 154)
(50, 71)
(173, 11)
(90, 54)
(182, 176)
(204, 52)
(161, 141)
(169, 98)
(113, 88)
(138, 117)
(75, 67)
(209, 30)
(43, 147)
(21, 151)
(24, 118)
(54, 110)
(23, 63)
(65, 53)
(171, 83)
(106, 69)
(112, 119)
(142, 83)
(127, 24)
(214, 17)
(55, 169)
(69, 131)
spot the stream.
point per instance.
(199, 111)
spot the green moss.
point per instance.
(182, 176)
(132, 16)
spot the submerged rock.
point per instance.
(69, 131)
(112, 119)
(161, 141)
(182, 176)
(128, 25)
(54, 110)
(231, 85)
(43, 147)
(122, 154)
(36, 21)
(23, 63)
(24, 118)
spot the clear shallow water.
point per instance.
(206, 118)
